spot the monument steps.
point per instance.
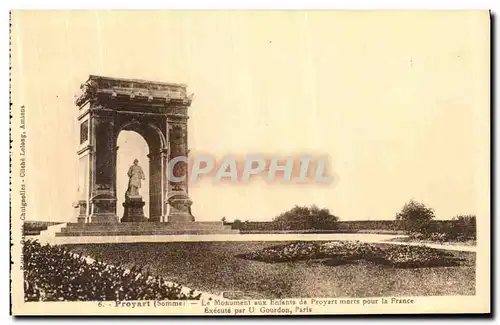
(153, 223)
(146, 232)
(144, 228)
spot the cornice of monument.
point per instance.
(177, 118)
(83, 149)
(98, 88)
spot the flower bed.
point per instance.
(286, 253)
(402, 256)
(342, 252)
(53, 273)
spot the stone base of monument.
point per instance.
(180, 218)
(145, 229)
(133, 223)
(133, 210)
(103, 219)
(180, 207)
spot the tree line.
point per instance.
(415, 219)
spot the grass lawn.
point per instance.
(213, 267)
(423, 241)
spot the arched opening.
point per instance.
(131, 145)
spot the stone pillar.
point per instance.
(103, 199)
(157, 185)
(83, 184)
(84, 153)
(81, 205)
(178, 198)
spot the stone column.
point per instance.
(85, 158)
(103, 199)
(84, 153)
(157, 185)
(178, 198)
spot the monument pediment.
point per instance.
(98, 87)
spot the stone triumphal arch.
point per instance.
(155, 110)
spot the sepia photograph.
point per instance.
(239, 163)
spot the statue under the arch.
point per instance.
(134, 205)
(136, 175)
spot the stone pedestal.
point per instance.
(109, 218)
(81, 205)
(180, 208)
(103, 207)
(134, 210)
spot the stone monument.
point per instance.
(158, 112)
(155, 110)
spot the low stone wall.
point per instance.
(358, 226)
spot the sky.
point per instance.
(397, 101)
